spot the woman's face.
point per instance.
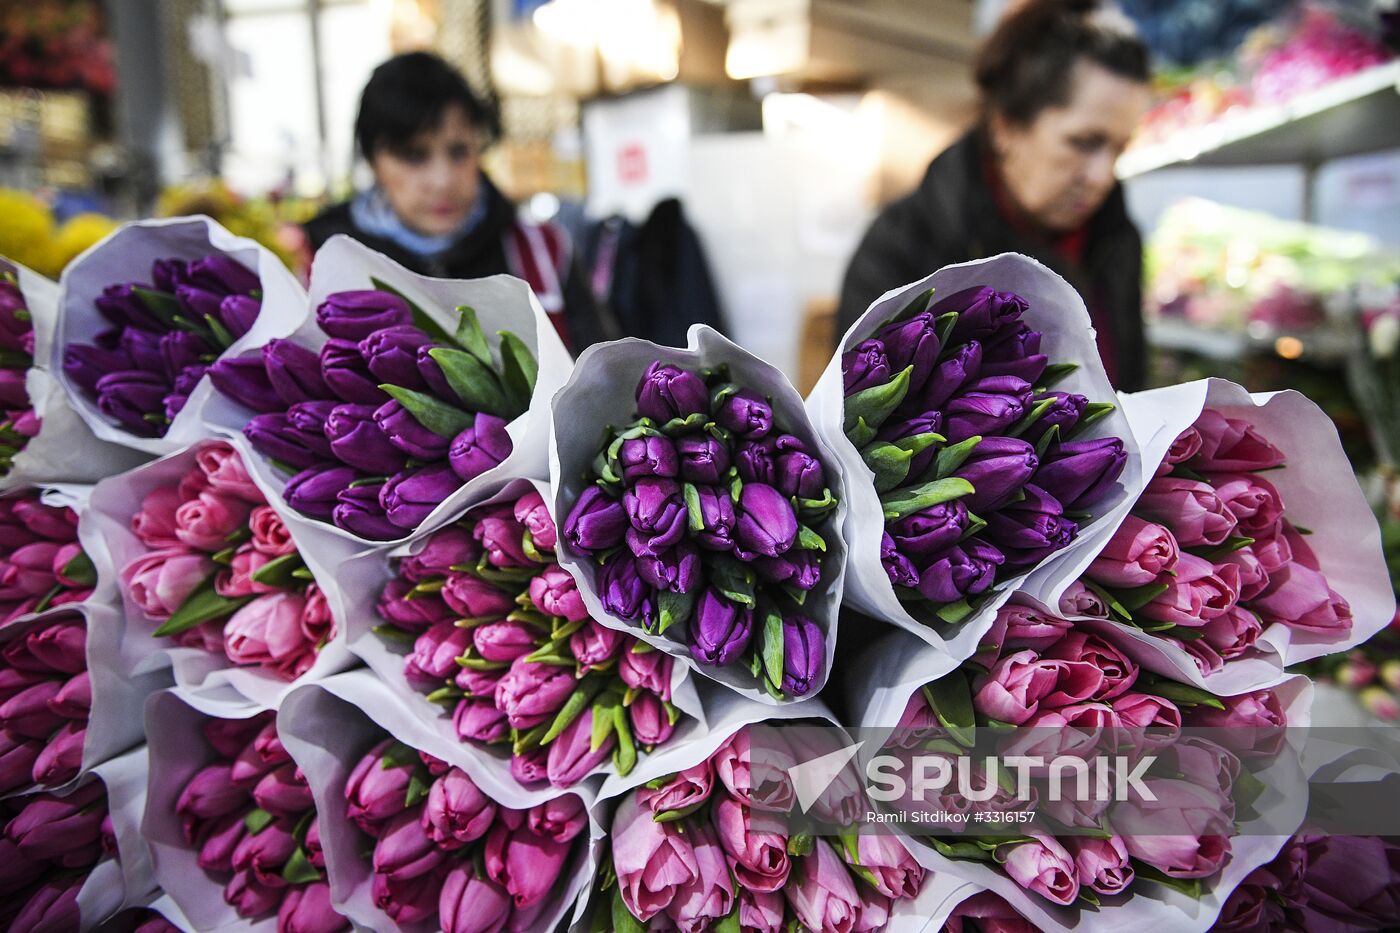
(432, 181)
(1059, 167)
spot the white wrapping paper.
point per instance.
(1059, 313)
(127, 880)
(114, 723)
(126, 256)
(328, 727)
(1319, 492)
(602, 391)
(110, 542)
(502, 302)
(899, 665)
(65, 448)
(178, 750)
(358, 583)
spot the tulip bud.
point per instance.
(666, 392)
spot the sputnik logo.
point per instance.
(810, 779)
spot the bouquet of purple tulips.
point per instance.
(705, 521)
(163, 335)
(391, 416)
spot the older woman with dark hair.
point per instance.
(1063, 86)
(432, 209)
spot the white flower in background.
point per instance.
(1385, 335)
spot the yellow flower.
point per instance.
(75, 236)
(26, 230)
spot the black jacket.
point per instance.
(478, 254)
(952, 217)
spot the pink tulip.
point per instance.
(526, 865)
(503, 539)
(759, 777)
(1191, 510)
(1186, 446)
(237, 580)
(709, 896)
(160, 581)
(1273, 553)
(1100, 864)
(205, 523)
(992, 913)
(261, 855)
(1234, 633)
(315, 853)
(154, 524)
(219, 839)
(411, 901)
(760, 912)
(530, 768)
(875, 911)
(825, 897)
(1197, 594)
(530, 510)
(1042, 866)
(283, 792)
(1255, 723)
(17, 757)
(60, 646)
(571, 755)
(1183, 833)
(596, 644)
(229, 736)
(270, 534)
(15, 679)
(47, 827)
(1253, 501)
(27, 570)
(1025, 627)
(646, 670)
(16, 872)
(653, 860)
(651, 724)
(1151, 720)
(1137, 554)
(457, 812)
(308, 910)
(1078, 600)
(267, 632)
(1017, 686)
(560, 818)
(683, 792)
(478, 720)
(889, 867)
(442, 551)
(55, 522)
(555, 593)
(506, 640)
(244, 894)
(759, 859)
(474, 598)
(374, 793)
(469, 904)
(436, 651)
(317, 623)
(62, 757)
(52, 908)
(1301, 598)
(531, 691)
(405, 850)
(1254, 579)
(411, 615)
(1232, 445)
(225, 473)
(27, 713)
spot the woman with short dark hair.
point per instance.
(422, 130)
(1063, 84)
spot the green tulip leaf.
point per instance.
(519, 369)
(772, 649)
(279, 571)
(201, 606)
(911, 499)
(875, 404)
(421, 319)
(673, 608)
(299, 869)
(950, 698)
(470, 337)
(889, 463)
(433, 414)
(475, 383)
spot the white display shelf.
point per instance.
(1356, 114)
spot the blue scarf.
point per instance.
(371, 213)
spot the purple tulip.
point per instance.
(717, 518)
(676, 569)
(703, 458)
(244, 380)
(48, 826)
(435, 652)
(911, 342)
(982, 312)
(997, 469)
(478, 720)
(143, 346)
(648, 456)
(596, 523)
(987, 407)
(263, 854)
(595, 644)
(12, 391)
(482, 447)
(532, 691)
(720, 630)
(405, 850)
(665, 392)
(238, 313)
(625, 594)
(198, 303)
(221, 273)
(84, 364)
(62, 757)
(962, 570)
(963, 365)
(294, 371)
(308, 909)
(571, 755)
(360, 511)
(1064, 414)
(457, 812)
(865, 366)
(284, 792)
(929, 531)
(128, 397)
(804, 655)
(119, 304)
(375, 794)
(898, 568)
(1080, 473)
(745, 414)
(274, 435)
(799, 569)
(409, 497)
(392, 355)
(531, 768)
(53, 905)
(1014, 352)
(798, 473)
(179, 350)
(930, 422)
(346, 375)
(170, 274)
(505, 640)
(313, 491)
(354, 315)
(767, 525)
(1030, 530)
(407, 435)
(356, 440)
(310, 418)
(657, 512)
